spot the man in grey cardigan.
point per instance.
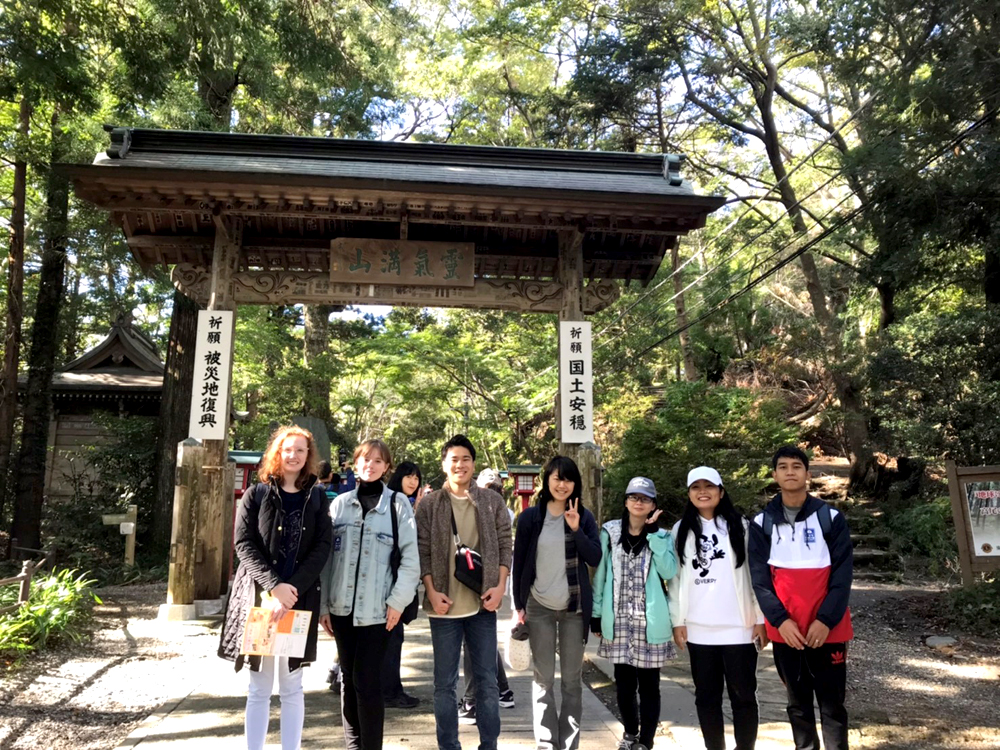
(456, 612)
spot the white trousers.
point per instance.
(293, 705)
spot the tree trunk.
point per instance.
(690, 370)
(15, 310)
(855, 425)
(887, 304)
(175, 408)
(316, 342)
(26, 527)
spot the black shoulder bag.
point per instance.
(395, 558)
(468, 562)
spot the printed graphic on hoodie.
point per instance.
(707, 550)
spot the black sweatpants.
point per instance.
(362, 708)
(821, 671)
(736, 666)
(640, 721)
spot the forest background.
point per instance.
(845, 298)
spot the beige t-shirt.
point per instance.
(465, 602)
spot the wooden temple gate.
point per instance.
(255, 219)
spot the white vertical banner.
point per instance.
(213, 354)
(576, 382)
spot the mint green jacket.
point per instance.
(661, 564)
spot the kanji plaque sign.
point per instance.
(402, 262)
(212, 370)
(576, 382)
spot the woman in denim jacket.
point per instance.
(362, 600)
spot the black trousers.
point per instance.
(736, 666)
(362, 708)
(821, 671)
(642, 720)
(392, 662)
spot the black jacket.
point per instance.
(588, 552)
(258, 542)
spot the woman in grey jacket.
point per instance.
(362, 597)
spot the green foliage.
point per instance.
(926, 529)
(976, 609)
(935, 385)
(734, 430)
(58, 609)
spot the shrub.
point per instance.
(58, 609)
(926, 529)
(735, 430)
(976, 609)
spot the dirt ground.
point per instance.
(902, 694)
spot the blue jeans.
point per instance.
(480, 635)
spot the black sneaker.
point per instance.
(402, 700)
(467, 713)
(507, 699)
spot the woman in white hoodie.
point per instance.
(714, 610)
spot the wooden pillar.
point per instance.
(183, 543)
(213, 530)
(570, 273)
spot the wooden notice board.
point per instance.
(975, 506)
(402, 262)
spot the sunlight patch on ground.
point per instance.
(963, 671)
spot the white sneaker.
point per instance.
(627, 742)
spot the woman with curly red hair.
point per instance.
(282, 538)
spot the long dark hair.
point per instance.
(405, 469)
(691, 522)
(567, 470)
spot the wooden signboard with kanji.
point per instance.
(402, 262)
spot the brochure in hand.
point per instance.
(265, 636)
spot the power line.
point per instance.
(811, 243)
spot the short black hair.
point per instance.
(405, 469)
(458, 441)
(324, 469)
(789, 451)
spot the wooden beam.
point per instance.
(308, 287)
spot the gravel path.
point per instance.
(902, 693)
(93, 694)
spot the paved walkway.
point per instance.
(211, 715)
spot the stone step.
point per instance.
(879, 559)
(871, 541)
(878, 576)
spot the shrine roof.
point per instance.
(294, 194)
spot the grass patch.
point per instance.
(59, 609)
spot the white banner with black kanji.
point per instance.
(212, 369)
(576, 382)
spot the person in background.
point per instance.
(282, 540)
(714, 611)
(362, 599)
(328, 479)
(488, 479)
(631, 611)
(556, 540)
(463, 513)
(348, 481)
(406, 480)
(802, 564)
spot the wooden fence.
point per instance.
(28, 569)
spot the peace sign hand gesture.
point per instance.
(654, 517)
(572, 514)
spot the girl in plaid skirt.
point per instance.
(632, 616)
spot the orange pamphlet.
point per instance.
(263, 636)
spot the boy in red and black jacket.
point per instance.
(802, 566)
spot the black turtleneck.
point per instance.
(369, 493)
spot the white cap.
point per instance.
(704, 472)
(486, 478)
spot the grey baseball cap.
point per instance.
(641, 486)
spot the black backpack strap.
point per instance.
(767, 524)
(396, 555)
(825, 520)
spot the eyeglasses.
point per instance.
(640, 499)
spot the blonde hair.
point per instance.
(374, 445)
(270, 464)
